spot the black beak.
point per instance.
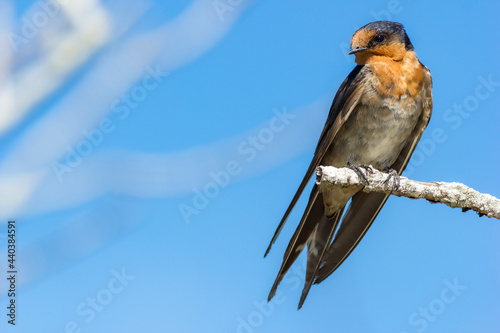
(356, 50)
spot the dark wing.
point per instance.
(365, 207)
(346, 98)
(313, 220)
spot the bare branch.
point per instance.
(455, 195)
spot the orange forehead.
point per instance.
(362, 37)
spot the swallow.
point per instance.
(376, 119)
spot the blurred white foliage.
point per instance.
(44, 62)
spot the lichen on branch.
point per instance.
(455, 195)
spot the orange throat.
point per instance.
(395, 78)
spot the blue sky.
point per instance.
(148, 151)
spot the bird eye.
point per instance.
(379, 38)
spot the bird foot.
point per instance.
(357, 168)
(395, 176)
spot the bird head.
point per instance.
(381, 38)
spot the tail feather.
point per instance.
(312, 214)
(316, 249)
(360, 215)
